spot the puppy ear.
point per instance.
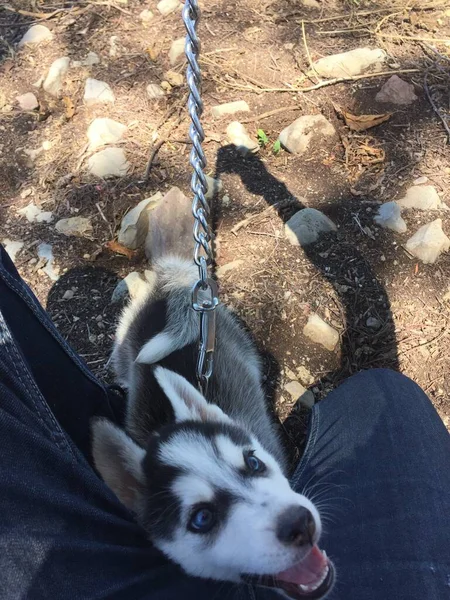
(118, 460)
(187, 402)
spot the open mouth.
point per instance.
(311, 578)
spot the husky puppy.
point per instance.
(205, 477)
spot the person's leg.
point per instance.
(378, 462)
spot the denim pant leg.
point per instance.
(378, 463)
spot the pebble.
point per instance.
(373, 323)
(166, 7)
(76, 226)
(133, 285)
(228, 267)
(28, 101)
(53, 83)
(155, 91)
(35, 35)
(320, 332)
(226, 200)
(146, 15)
(68, 295)
(294, 389)
(396, 91)
(389, 217)
(420, 180)
(354, 62)
(306, 225)
(311, 4)
(134, 226)
(175, 79)
(176, 50)
(230, 108)
(214, 187)
(110, 162)
(103, 131)
(34, 214)
(97, 92)
(91, 59)
(304, 375)
(298, 136)
(422, 197)
(45, 253)
(428, 243)
(237, 135)
(12, 248)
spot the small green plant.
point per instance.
(276, 147)
(263, 140)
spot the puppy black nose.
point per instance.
(296, 526)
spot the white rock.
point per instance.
(231, 266)
(155, 91)
(214, 187)
(76, 226)
(230, 108)
(306, 225)
(237, 135)
(396, 91)
(35, 35)
(28, 101)
(354, 62)
(91, 59)
(294, 389)
(45, 253)
(166, 7)
(97, 92)
(320, 332)
(420, 180)
(134, 226)
(104, 131)
(68, 295)
(311, 4)
(12, 248)
(422, 197)
(176, 50)
(146, 15)
(53, 83)
(133, 285)
(110, 162)
(304, 375)
(298, 136)
(428, 243)
(34, 214)
(389, 217)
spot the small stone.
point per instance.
(290, 374)
(354, 62)
(45, 253)
(428, 242)
(175, 79)
(76, 226)
(389, 217)
(446, 296)
(423, 197)
(373, 323)
(230, 108)
(214, 187)
(34, 214)
(134, 226)
(97, 92)
(133, 285)
(396, 91)
(294, 389)
(304, 375)
(320, 332)
(298, 136)
(46, 145)
(33, 153)
(227, 268)
(12, 248)
(103, 131)
(311, 4)
(237, 135)
(166, 7)
(68, 295)
(306, 226)
(420, 180)
(155, 91)
(28, 101)
(25, 193)
(53, 83)
(146, 16)
(226, 200)
(91, 59)
(176, 50)
(110, 162)
(35, 35)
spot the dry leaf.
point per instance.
(114, 246)
(70, 107)
(363, 122)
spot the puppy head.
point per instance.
(212, 499)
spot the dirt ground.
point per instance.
(253, 51)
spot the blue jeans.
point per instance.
(377, 462)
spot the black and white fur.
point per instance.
(182, 452)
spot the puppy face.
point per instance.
(211, 498)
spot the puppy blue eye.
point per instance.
(202, 520)
(254, 464)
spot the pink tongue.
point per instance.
(308, 571)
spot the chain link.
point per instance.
(205, 293)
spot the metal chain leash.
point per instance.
(205, 294)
